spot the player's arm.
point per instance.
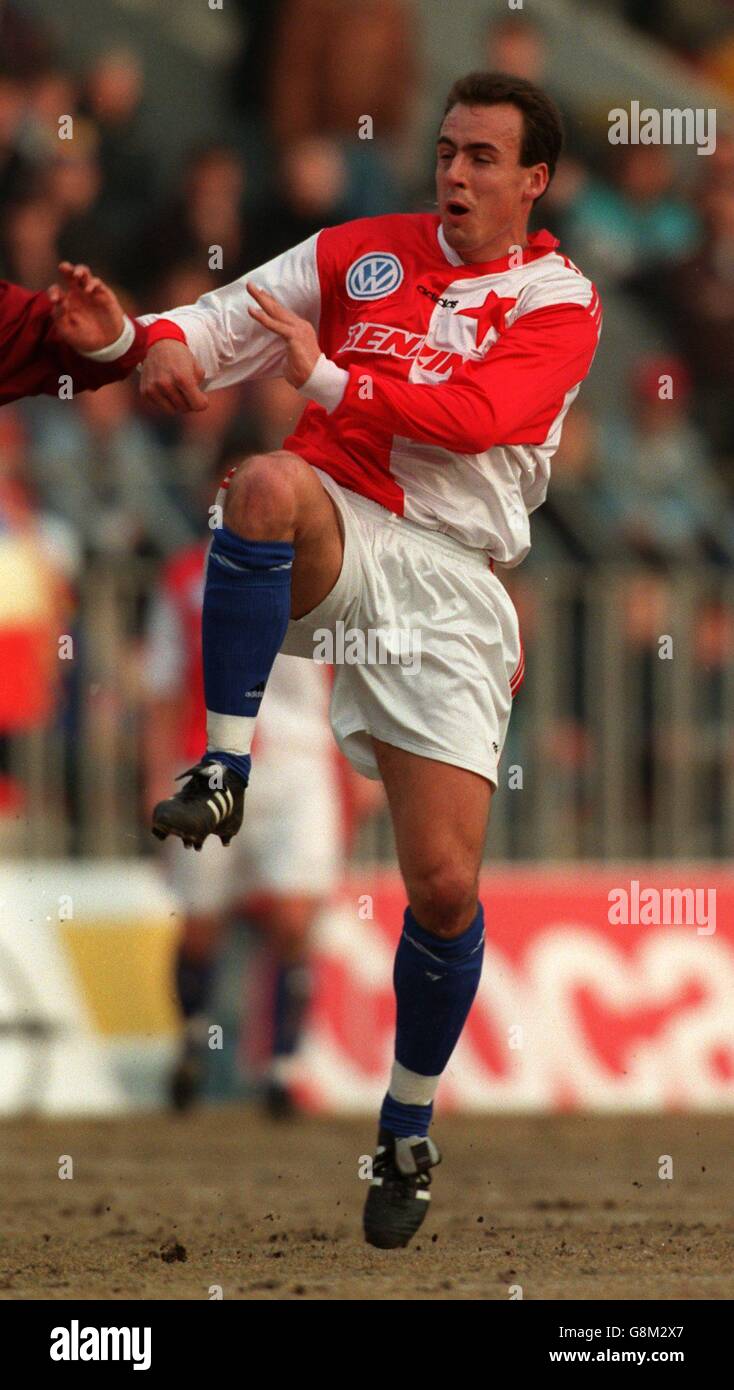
(511, 397)
(227, 343)
(77, 329)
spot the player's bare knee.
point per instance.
(262, 497)
(443, 900)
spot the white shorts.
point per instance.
(455, 656)
(290, 842)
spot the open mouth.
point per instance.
(456, 209)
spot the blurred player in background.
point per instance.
(286, 863)
(440, 353)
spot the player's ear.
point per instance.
(538, 180)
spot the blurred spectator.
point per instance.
(51, 94)
(684, 25)
(718, 172)
(311, 192)
(516, 44)
(619, 231)
(572, 526)
(716, 58)
(30, 253)
(33, 600)
(14, 168)
(73, 187)
(204, 224)
(253, 64)
(113, 97)
(697, 299)
(96, 464)
(25, 46)
(668, 501)
(184, 282)
(336, 64)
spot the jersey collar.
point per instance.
(539, 244)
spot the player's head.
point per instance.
(498, 145)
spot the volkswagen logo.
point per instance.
(373, 276)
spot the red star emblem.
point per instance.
(490, 314)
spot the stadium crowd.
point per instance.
(647, 481)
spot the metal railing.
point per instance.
(621, 743)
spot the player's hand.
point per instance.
(302, 345)
(87, 314)
(171, 378)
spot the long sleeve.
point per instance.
(229, 344)
(511, 397)
(33, 356)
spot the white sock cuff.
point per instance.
(410, 1088)
(230, 733)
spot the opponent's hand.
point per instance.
(87, 314)
(302, 345)
(171, 377)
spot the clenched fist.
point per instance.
(171, 378)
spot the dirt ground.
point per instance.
(164, 1207)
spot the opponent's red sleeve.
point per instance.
(511, 397)
(33, 356)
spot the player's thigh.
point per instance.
(439, 814)
(319, 546)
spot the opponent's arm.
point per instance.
(77, 329)
(228, 344)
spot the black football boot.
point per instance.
(210, 803)
(398, 1197)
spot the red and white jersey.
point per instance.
(442, 387)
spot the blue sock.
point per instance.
(247, 600)
(404, 1120)
(435, 983)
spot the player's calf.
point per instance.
(436, 979)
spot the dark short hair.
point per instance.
(542, 125)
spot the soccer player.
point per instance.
(440, 353)
(286, 860)
(77, 329)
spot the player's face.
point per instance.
(484, 193)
